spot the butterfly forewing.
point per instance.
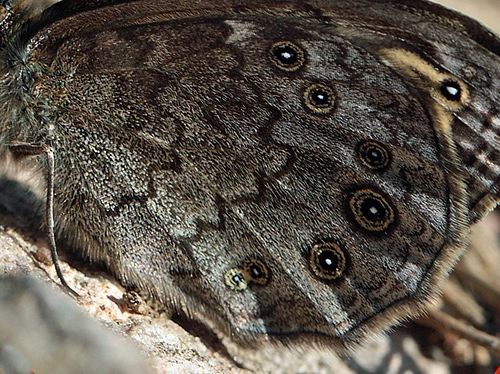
(292, 170)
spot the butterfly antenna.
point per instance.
(49, 218)
(27, 149)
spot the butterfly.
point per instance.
(294, 171)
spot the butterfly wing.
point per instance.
(284, 170)
(431, 45)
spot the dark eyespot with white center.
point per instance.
(451, 90)
(374, 155)
(236, 279)
(286, 56)
(327, 260)
(320, 98)
(257, 271)
(371, 210)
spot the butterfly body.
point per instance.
(295, 171)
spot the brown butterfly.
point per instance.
(289, 170)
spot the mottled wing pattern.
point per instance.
(288, 170)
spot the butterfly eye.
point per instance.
(374, 155)
(287, 56)
(451, 90)
(371, 210)
(257, 271)
(327, 260)
(236, 280)
(319, 98)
